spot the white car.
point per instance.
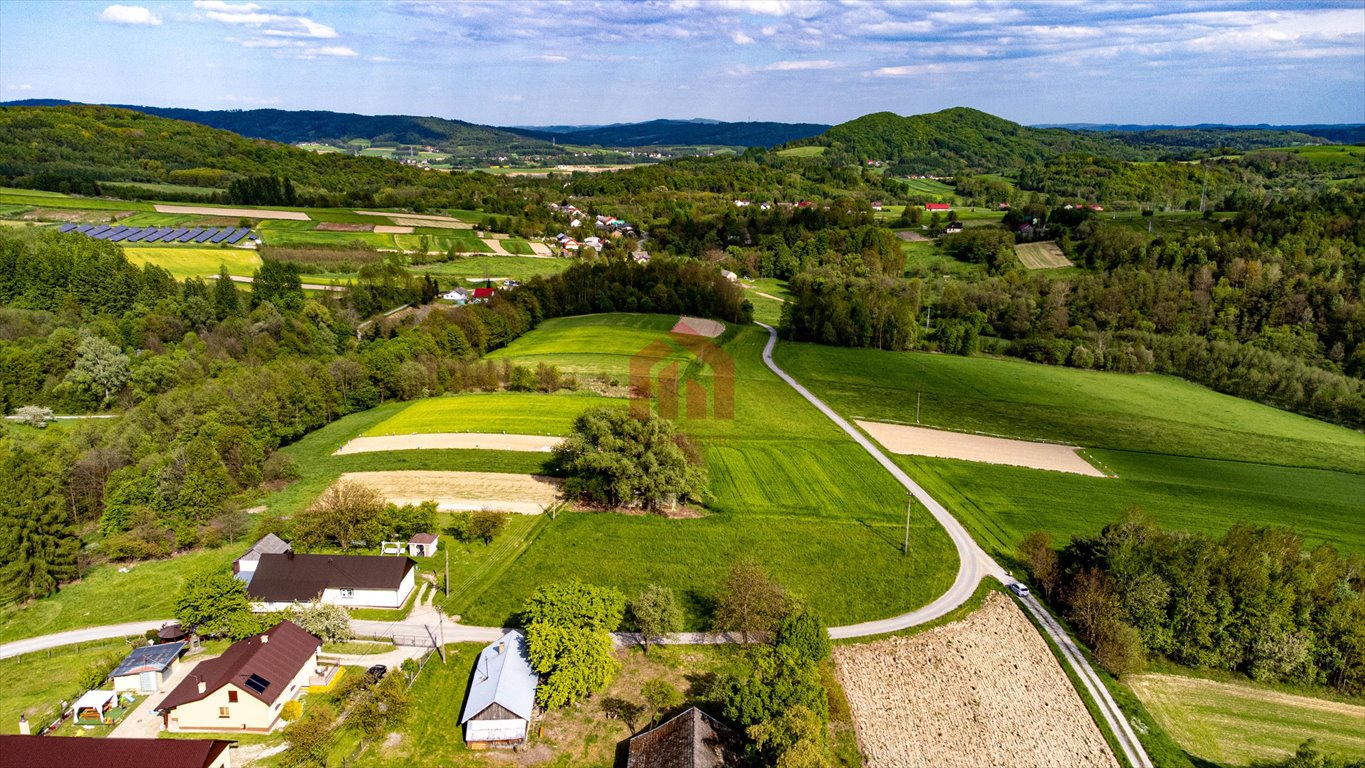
(1019, 589)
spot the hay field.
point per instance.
(517, 413)
(523, 494)
(196, 262)
(983, 691)
(245, 213)
(698, 326)
(1041, 255)
(942, 444)
(465, 441)
(1232, 724)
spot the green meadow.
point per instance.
(196, 262)
(512, 412)
(1190, 457)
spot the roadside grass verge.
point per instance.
(35, 683)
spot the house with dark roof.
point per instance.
(246, 688)
(502, 695)
(692, 739)
(244, 567)
(85, 752)
(423, 544)
(354, 581)
(147, 668)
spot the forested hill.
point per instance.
(683, 132)
(312, 125)
(1285, 135)
(957, 139)
(73, 148)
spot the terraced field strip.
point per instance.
(517, 413)
(985, 690)
(1041, 255)
(943, 444)
(1233, 724)
(245, 213)
(523, 494)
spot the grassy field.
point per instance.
(1041, 255)
(1232, 725)
(169, 188)
(929, 187)
(39, 199)
(601, 345)
(802, 152)
(34, 683)
(196, 262)
(105, 596)
(924, 259)
(514, 412)
(453, 273)
(1190, 457)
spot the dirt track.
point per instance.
(244, 213)
(920, 441)
(523, 494)
(983, 691)
(456, 440)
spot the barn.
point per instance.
(502, 695)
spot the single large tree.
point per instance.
(750, 602)
(617, 457)
(215, 604)
(346, 512)
(101, 368)
(656, 613)
(568, 636)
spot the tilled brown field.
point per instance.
(983, 691)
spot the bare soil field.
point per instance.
(244, 213)
(523, 494)
(390, 229)
(1041, 255)
(983, 691)
(448, 440)
(419, 220)
(938, 443)
(337, 226)
(911, 237)
(698, 326)
(541, 249)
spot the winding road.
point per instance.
(973, 565)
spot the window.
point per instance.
(347, 592)
(232, 697)
(223, 712)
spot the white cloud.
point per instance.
(274, 24)
(548, 58)
(800, 64)
(130, 14)
(219, 5)
(339, 51)
(20, 87)
(910, 70)
(741, 39)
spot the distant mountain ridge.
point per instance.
(696, 131)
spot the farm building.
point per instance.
(502, 695)
(246, 688)
(85, 752)
(355, 581)
(244, 567)
(728, 275)
(939, 207)
(147, 668)
(483, 294)
(692, 739)
(423, 544)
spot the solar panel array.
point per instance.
(115, 234)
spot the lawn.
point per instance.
(924, 259)
(519, 268)
(105, 596)
(929, 187)
(511, 412)
(1190, 457)
(34, 683)
(196, 262)
(602, 345)
(1231, 724)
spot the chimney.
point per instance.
(264, 638)
(289, 554)
(23, 726)
(203, 686)
(502, 644)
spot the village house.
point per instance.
(423, 544)
(937, 207)
(728, 275)
(244, 567)
(147, 668)
(953, 226)
(246, 688)
(640, 257)
(85, 752)
(692, 739)
(353, 581)
(502, 695)
(457, 295)
(482, 294)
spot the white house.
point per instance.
(457, 295)
(244, 567)
(728, 275)
(354, 581)
(423, 544)
(502, 695)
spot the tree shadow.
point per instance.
(895, 543)
(699, 603)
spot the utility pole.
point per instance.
(909, 505)
(447, 574)
(918, 394)
(928, 315)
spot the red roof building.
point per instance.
(483, 293)
(937, 207)
(84, 752)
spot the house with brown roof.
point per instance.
(246, 688)
(692, 739)
(354, 581)
(85, 752)
(244, 567)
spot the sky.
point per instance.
(547, 62)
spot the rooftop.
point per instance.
(84, 752)
(262, 665)
(503, 676)
(291, 577)
(692, 739)
(149, 658)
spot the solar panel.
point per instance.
(257, 683)
(190, 235)
(106, 234)
(221, 236)
(136, 234)
(157, 234)
(174, 235)
(82, 228)
(67, 227)
(206, 234)
(238, 235)
(97, 230)
(121, 235)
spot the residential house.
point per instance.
(147, 668)
(640, 257)
(355, 581)
(728, 275)
(457, 295)
(939, 207)
(246, 688)
(483, 294)
(244, 567)
(876, 205)
(502, 695)
(85, 752)
(692, 739)
(953, 226)
(423, 544)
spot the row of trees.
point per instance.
(1254, 600)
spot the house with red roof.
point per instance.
(483, 293)
(940, 207)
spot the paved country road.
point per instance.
(71, 637)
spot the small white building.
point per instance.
(423, 545)
(728, 275)
(457, 295)
(244, 567)
(147, 668)
(353, 581)
(502, 695)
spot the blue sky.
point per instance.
(539, 62)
